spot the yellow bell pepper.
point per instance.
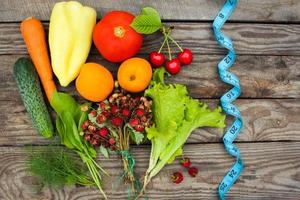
(70, 38)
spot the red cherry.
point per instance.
(185, 57)
(103, 132)
(173, 66)
(157, 59)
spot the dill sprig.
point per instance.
(55, 167)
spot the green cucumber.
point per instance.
(31, 94)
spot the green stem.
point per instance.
(176, 43)
(95, 177)
(95, 163)
(169, 50)
(163, 44)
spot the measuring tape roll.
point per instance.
(229, 97)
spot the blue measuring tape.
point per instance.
(229, 97)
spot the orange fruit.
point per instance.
(134, 74)
(94, 82)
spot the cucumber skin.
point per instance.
(31, 94)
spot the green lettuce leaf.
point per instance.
(176, 116)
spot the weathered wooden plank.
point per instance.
(255, 10)
(264, 120)
(271, 172)
(261, 76)
(266, 39)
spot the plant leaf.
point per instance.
(147, 22)
(137, 137)
(104, 151)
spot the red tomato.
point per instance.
(115, 39)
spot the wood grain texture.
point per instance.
(264, 120)
(260, 76)
(272, 171)
(254, 39)
(254, 10)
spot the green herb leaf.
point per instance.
(61, 102)
(55, 167)
(147, 22)
(104, 151)
(137, 137)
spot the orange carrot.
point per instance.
(35, 39)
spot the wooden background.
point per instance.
(266, 35)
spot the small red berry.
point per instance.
(114, 109)
(136, 99)
(101, 118)
(193, 171)
(185, 162)
(134, 122)
(93, 113)
(92, 128)
(117, 121)
(87, 137)
(177, 177)
(111, 141)
(94, 142)
(103, 132)
(85, 125)
(105, 113)
(139, 128)
(139, 112)
(173, 66)
(185, 57)
(157, 59)
(102, 105)
(125, 112)
(144, 119)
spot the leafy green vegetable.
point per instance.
(55, 167)
(176, 115)
(70, 116)
(136, 136)
(104, 151)
(147, 22)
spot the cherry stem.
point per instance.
(163, 44)
(176, 43)
(169, 50)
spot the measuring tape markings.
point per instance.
(229, 97)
